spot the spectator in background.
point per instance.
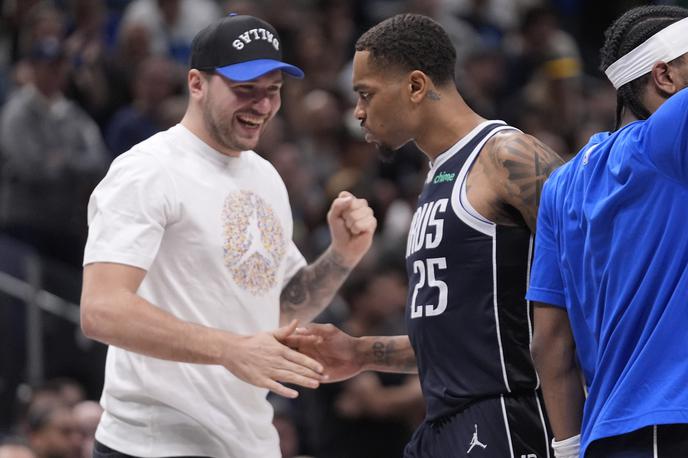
(40, 22)
(63, 391)
(461, 33)
(288, 431)
(550, 106)
(171, 24)
(157, 79)
(132, 47)
(15, 448)
(87, 415)
(483, 80)
(540, 39)
(68, 390)
(86, 48)
(52, 431)
(54, 154)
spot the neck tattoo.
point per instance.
(432, 95)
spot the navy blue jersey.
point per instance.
(466, 315)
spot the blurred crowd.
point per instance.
(81, 81)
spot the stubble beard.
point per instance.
(222, 133)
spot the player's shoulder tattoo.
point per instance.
(522, 164)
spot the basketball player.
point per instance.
(467, 256)
(190, 266)
(611, 261)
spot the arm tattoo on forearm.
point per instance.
(380, 353)
(313, 287)
(387, 354)
(295, 291)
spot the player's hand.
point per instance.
(352, 226)
(264, 360)
(333, 348)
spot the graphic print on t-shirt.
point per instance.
(254, 243)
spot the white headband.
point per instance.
(663, 46)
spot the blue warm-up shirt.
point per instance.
(612, 248)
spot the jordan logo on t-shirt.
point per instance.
(254, 242)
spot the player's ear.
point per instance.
(666, 77)
(418, 85)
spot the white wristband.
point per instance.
(567, 448)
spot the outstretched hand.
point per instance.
(331, 347)
(352, 226)
(264, 360)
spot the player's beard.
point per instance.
(385, 153)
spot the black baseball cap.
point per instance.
(241, 48)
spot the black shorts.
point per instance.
(662, 441)
(103, 451)
(507, 426)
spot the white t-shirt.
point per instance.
(214, 234)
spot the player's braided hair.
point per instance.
(411, 42)
(626, 33)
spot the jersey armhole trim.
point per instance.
(459, 198)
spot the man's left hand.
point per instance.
(352, 226)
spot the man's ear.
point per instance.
(666, 79)
(418, 84)
(197, 82)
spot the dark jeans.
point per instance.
(103, 451)
(667, 441)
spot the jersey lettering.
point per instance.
(426, 271)
(426, 227)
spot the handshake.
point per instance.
(308, 356)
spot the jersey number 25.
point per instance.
(428, 273)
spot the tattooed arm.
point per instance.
(518, 165)
(312, 288)
(387, 354)
(352, 226)
(344, 356)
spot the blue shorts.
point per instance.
(507, 426)
(662, 441)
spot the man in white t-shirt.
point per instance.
(190, 268)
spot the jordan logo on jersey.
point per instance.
(475, 442)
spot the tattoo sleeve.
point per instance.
(523, 164)
(312, 288)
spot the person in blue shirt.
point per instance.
(610, 274)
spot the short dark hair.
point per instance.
(411, 42)
(626, 33)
